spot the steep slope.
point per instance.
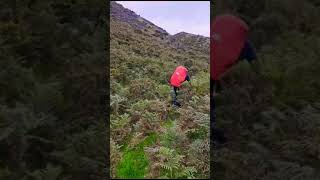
(121, 14)
(149, 138)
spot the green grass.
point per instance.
(199, 133)
(134, 163)
(168, 123)
(151, 139)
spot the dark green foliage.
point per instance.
(272, 119)
(52, 74)
(198, 133)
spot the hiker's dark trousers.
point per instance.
(174, 94)
(216, 134)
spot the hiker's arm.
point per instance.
(249, 53)
(188, 79)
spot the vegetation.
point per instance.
(52, 71)
(272, 120)
(149, 137)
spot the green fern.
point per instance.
(190, 172)
(170, 161)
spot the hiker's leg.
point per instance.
(177, 102)
(175, 90)
(173, 95)
(176, 94)
(216, 134)
(176, 99)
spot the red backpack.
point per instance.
(228, 35)
(178, 76)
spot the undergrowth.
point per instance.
(151, 138)
(272, 119)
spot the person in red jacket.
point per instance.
(229, 44)
(179, 76)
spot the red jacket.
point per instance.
(178, 76)
(228, 35)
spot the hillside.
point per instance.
(53, 90)
(272, 121)
(190, 42)
(149, 137)
(121, 14)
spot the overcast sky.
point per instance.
(174, 16)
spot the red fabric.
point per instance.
(178, 76)
(228, 35)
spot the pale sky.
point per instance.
(174, 16)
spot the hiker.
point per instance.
(179, 76)
(247, 53)
(229, 45)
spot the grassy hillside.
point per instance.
(149, 137)
(273, 121)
